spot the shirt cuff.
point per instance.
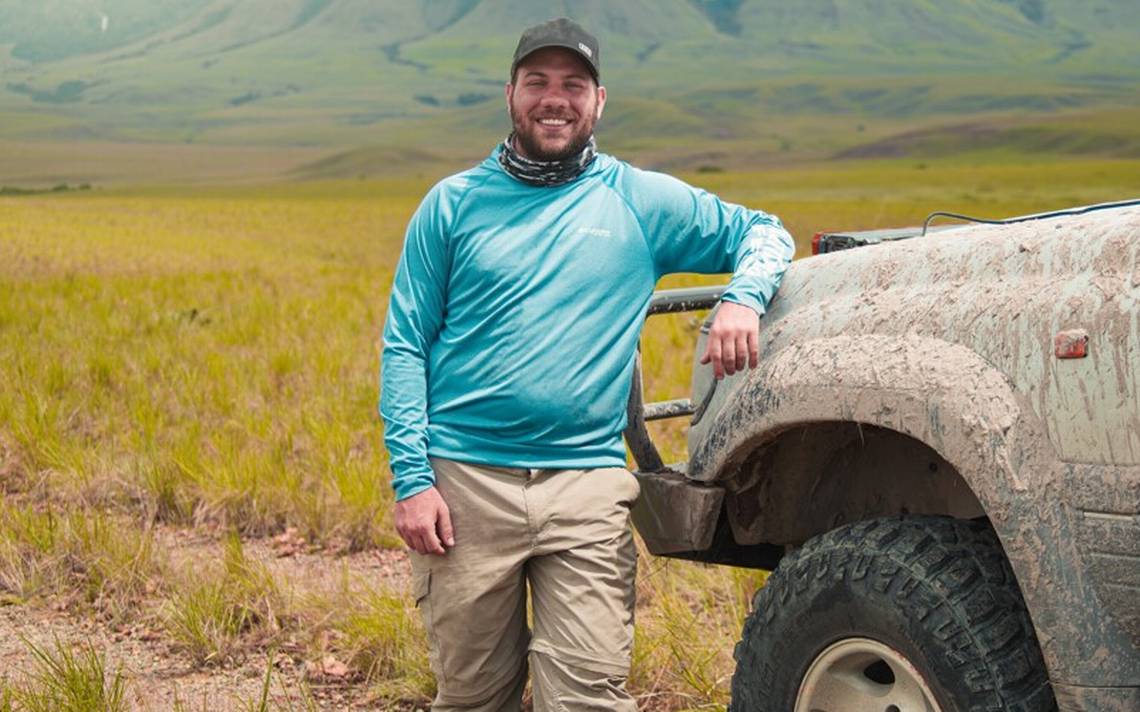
(411, 485)
(751, 302)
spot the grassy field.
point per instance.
(205, 359)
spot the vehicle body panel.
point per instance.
(1003, 292)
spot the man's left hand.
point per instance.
(734, 340)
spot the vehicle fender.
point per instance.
(939, 393)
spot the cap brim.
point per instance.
(562, 45)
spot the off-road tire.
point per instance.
(937, 590)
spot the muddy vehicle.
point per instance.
(939, 457)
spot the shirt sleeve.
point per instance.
(692, 230)
(415, 316)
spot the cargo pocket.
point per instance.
(421, 587)
(636, 487)
(421, 592)
(628, 488)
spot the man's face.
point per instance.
(554, 104)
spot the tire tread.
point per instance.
(950, 574)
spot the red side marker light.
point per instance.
(1071, 343)
(815, 243)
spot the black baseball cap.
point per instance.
(559, 32)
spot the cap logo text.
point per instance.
(586, 50)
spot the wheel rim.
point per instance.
(863, 675)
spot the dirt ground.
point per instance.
(159, 677)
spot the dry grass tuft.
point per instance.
(88, 555)
(65, 680)
(218, 614)
(384, 639)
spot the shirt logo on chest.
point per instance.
(594, 231)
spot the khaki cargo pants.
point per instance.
(567, 534)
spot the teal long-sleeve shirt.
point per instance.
(516, 310)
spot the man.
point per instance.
(508, 352)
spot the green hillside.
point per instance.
(744, 78)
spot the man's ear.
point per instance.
(508, 92)
(601, 102)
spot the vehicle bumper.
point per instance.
(675, 515)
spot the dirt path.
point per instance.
(293, 562)
(158, 676)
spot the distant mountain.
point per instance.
(397, 72)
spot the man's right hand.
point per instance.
(424, 522)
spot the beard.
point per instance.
(531, 145)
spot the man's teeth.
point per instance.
(553, 122)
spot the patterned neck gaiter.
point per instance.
(546, 173)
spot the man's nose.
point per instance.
(555, 95)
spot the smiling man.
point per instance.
(508, 352)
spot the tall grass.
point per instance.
(688, 620)
(202, 360)
(80, 553)
(218, 613)
(385, 641)
(64, 679)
